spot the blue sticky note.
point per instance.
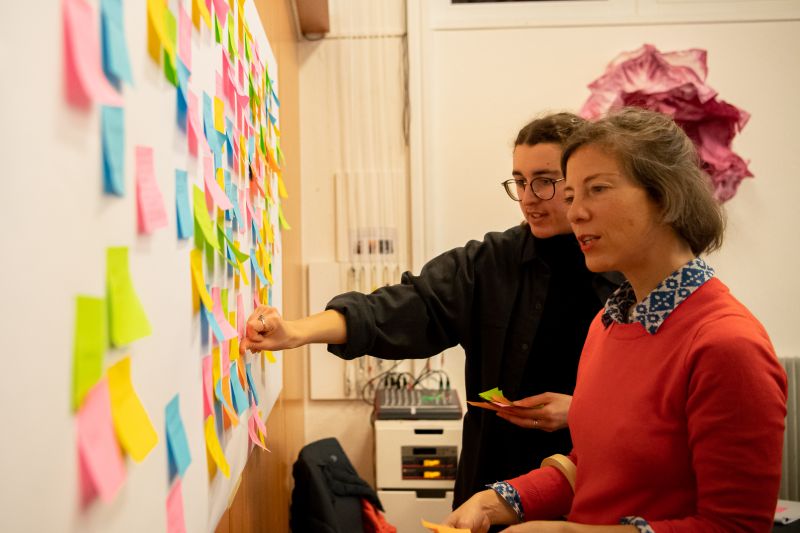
(251, 147)
(182, 108)
(272, 118)
(257, 268)
(180, 91)
(183, 77)
(255, 231)
(275, 96)
(239, 396)
(213, 323)
(183, 210)
(113, 132)
(203, 320)
(177, 444)
(115, 51)
(251, 383)
(233, 195)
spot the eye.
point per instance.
(596, 189)
(520, 183)
(568, 200)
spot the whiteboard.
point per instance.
(56, 225)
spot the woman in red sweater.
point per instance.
(678, 415)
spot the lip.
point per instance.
(587, 241)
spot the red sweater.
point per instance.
(683, 428)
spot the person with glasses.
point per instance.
(519, 302)
(678, 413)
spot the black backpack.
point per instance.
(327, 491)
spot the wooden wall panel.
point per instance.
(261, 504)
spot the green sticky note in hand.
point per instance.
(495, 395)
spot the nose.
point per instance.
(577, 211)
(528, 197)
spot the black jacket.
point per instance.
(489, 297)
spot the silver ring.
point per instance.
(263, 324)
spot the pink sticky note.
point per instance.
(97, 444)
(193, 129)
(208, 402)
(175, 522)
(240, 319)
(250, 215)
(219, 85)
(221, 9)
(251, 429)
(184, 37)
(84, 80)
(149, 202)
(259, 423)
(219, 314)
(241, 73)
(212, 187)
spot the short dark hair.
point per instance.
(658, 155)
(555, 128)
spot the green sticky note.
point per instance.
(203, 219)
(126, 315)
(170, 71)
(217, 31)
(492, 395)
(91, 340)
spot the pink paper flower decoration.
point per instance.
(674, 83)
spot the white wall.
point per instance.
(478, 82)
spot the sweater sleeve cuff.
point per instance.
(360, 325)
(545, 494)
(510, 495)
(640, 523)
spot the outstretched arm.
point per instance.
(267, 330)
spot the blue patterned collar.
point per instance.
(654, 309)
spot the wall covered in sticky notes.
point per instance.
(142, 224)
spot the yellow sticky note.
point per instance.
(155, 28)
(216, 365)
(284, 224)
(270, 356)
(91, 340)
(198, 279)
(131, 422)
(199, 10)
(282, 188)
(214, 448)
(128, 320)
(219, 115)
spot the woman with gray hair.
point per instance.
(678, 414)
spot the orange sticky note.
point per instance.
(84, 78)
(439, 528)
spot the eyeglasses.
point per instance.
(543, 188)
